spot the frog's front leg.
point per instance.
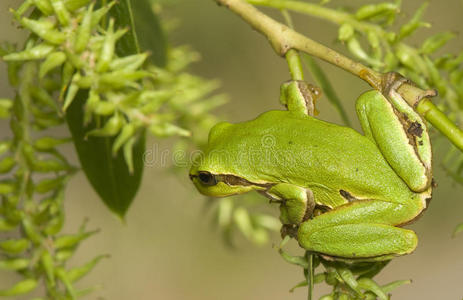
(362, 230)
(297, 203)
(400, 134)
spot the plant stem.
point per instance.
(282, 38)
(310, 268)
(294, 65)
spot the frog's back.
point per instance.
(279, 146)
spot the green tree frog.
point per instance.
(342, 194)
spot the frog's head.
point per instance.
(218, 171)
(214, 184)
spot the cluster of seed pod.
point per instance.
(350, 281)
(72, 48)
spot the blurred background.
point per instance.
(168, 248)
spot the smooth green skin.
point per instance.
(369, 184)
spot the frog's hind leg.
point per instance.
(362, 230)
(401, 136)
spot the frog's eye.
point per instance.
(207, 178)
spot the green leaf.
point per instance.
(326, 86)
(109, 175)
(150, 32)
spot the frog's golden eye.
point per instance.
(207, 178)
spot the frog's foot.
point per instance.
(299, 96)
(363, 230)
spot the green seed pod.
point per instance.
(369, 285)
(295, 260)
(356, 49)
(326, 297)
(55, 225)
(100, 13)
(71, 92)
(64, 254)
(14, 264)
(84, 31)
(47, 143)
(453, 64)
(49, 165)
(104, 108)
(374, 41)
(243, 221)
(44, 29)
(73, 5)
(387, 288)
(44, 6)
(4, 147)
(107, 51)
(331, 278)
(14, 246)
(128, 153)
(6, 225)
(267, 222)
(22, 9)
(435, 77)
(414, 23)
(168, 129)
(7, 187)
(61, 12)
(344, 297)
(111, 128)
(41, 97)
(68, 73)
(5, 107)
(38, 52)
(127, 132)
(122, 79)
(52, 61)
(48, 266)
(77, 273)
(7, 164)
(372, 10)
(20, 288)
(128, 63)
(49, 184)
(70, 241)
(319, 278)
(225, 212)
(92, 101)
(31, 231)
(62, 275)
(409, 57)
(435, 42)
(349, 279)
(300, 284)
(86, 82)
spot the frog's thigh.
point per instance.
(382, 125)
(366, 225)
(366, 240)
